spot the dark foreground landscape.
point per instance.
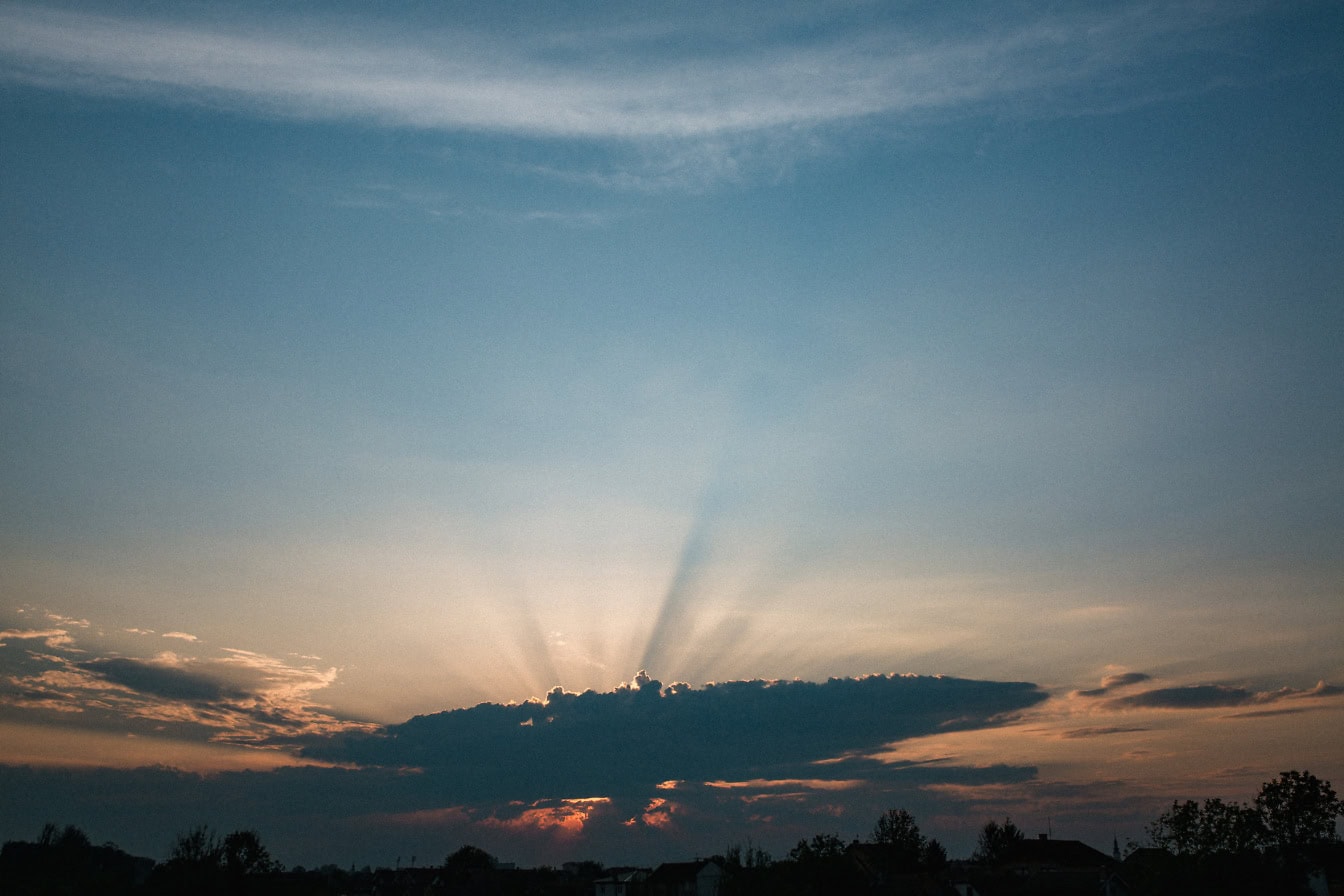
(1284, 842)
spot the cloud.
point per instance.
(788, 783)
(1073, 806)
(182, 636)
(670, 98)
(1116, 682)
(1202, 696)
(1215, 696)
(642, 771)
(631, 739)
(564, 816)
(1111, 682)
(1082, 733)
(668, 77)
(624, 742)
(159, 680)
(234, 696)
(270, 676)
(52, 637)
(68, 620)
(1262, 713)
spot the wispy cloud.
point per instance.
(68, 620)
(234, 696)
(595, 82)
(1082, 733)
(52, 637)
(1210, 696)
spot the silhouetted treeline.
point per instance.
(1284, 842)
(64, 861)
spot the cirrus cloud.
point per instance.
(594, 82)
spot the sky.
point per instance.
(622, 430)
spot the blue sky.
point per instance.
(358, 365)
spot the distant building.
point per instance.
(1060, 866)
(621, 882)
(701, 878)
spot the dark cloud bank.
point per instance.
(1202, 696)
(160, 681)
(632, 738)
(638, 773)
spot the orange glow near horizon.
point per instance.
(70, 747)
(566, 819)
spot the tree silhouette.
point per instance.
(200, 862)
(822, 847)
(1177, 830)
(197, 847)
(470, 858)
(1230, 828)
(243, 854)
(933, 857)
(748, 870)
(64, 861)
(467, 864)
(996, 841)
(1188, 829)
(1232, 848)
(1298, 809)
(900, 838)
(195, 864)
(820, 866)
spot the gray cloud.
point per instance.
(1112, 682)
(1116, 682)
(234, 696)
(1214, 696)
(160, 680)
(1201, 696)
(1260, 713)
(628, 740)
(1082, 733)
